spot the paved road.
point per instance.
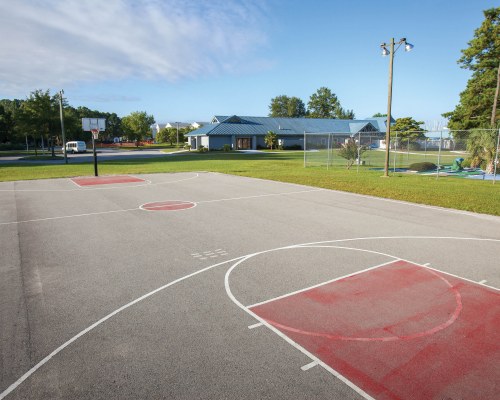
(101, 299)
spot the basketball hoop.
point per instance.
(95, 133)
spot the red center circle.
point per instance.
(171, 205)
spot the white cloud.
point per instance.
(50, 43)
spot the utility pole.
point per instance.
(389, 105)
(385, 52)
(62, 126)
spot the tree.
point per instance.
(73, 124)
(136, 125)
(284, 106)
(345, 114)
(271, 139)
(172, 135)
(476, 107)
(325, 104)
(6, 125)
(481, 146)
(408, 128)
(113, 125)
(379, 115)
(9, 111)
(296, 108)
(162, 136)
(351, 152)
(39, 115)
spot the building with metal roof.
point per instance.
(247, 133)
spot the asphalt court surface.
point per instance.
(203, 285)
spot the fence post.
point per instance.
(330, 149)
(304, 149)
(496, 158)
(395, 151)
(439, 153)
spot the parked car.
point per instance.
(75, 147)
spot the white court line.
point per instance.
(309, 366)
(140, 207)
(426, 206)
(259, 196)
(110, 185)
(179, 202)
(70, 179)
(239, 260)
(292, 342)
(482, 284)
(69, 216)
(283, 336)
(483, 281)
(86, 189)
(94, 325)
(255, 325)
(375, 198)
(331, 280)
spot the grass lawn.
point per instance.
(462, 194)
(20, 153)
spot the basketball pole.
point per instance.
(95, 153)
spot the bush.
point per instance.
(13, 146)
(226, 147)
(466, 163)
(422, 166)
(293, 147)
(202, 149)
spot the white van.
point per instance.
(76, 147)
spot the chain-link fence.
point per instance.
(471, 153)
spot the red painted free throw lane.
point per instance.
(170, 205)
(399, 332)
(105, 180)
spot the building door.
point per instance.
(244, 143)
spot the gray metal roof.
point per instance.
(251, 126)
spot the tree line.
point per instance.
(322, 104)
(325, 104)
(38, 118)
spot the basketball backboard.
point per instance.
(94, 123)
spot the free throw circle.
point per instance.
(169, 205)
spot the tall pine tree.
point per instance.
(482, 57)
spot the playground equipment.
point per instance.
(457, 164)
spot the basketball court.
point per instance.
(203, 285)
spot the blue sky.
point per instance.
(187, 60)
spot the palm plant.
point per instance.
(481, 146)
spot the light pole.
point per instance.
(62, 126)
(177, 135)
(391, 53)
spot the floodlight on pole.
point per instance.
(391, 52)
(61, 92)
